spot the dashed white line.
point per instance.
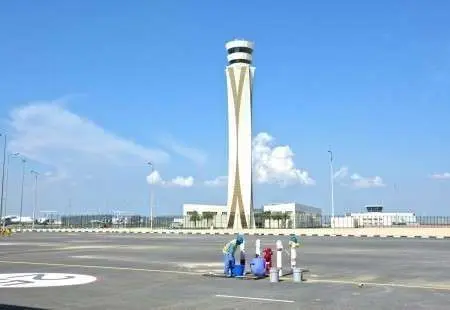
(257, 298)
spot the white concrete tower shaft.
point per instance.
(240, 75)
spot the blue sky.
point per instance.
(91, 90)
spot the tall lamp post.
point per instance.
(8, 157)
(332, 185)
(21, 191)
(36, 174)
(151, 195)
(3, 175)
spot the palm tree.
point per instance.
(195, 217)
(259, 220)
(277, 216)
(208, 216)
(285, 216)
(267, 215)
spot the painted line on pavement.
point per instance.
(98, 267)
(399, 285)
(312, 281)
(256, 298)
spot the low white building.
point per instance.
(374, 217)
(209, 215)
(291, 215)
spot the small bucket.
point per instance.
(274, 276)
(238, 270)
(297, 274)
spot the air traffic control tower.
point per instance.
(240, 73)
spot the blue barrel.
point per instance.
(238, 270)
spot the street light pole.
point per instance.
(151, 196)
(8, 157)
(3, 176)
(332, 184)
(21, 192)
(35, 196)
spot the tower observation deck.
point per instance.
(239, 51)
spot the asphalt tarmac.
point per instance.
(134, 271)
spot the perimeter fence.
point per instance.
(208, 221)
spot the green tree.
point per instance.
(208, 216)
(285, 217)
(259, 220)
(277, 216)
(195, 217)
(267, 215)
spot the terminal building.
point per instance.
(204, 215)
(280, 215)
(374, 217)
(291, 215)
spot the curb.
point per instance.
(215, 233)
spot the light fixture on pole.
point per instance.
(36, 174)
(151, 194)
(332, 184)
(6, 184)
(3, 175)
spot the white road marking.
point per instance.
(27, 244)
(99, 267)
(312, 281)
(88, 257)
(8, 280)
(85, 247)
(201, 265)
(256, 298)
(428, 287)
(116, 247)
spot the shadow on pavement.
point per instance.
(13, 307)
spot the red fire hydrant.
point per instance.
(267, 254)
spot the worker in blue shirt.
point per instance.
(258, 266)
(228, 254)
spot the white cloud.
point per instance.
(219, 181)
(341, 173)
(197, 156)
(271, 164)
(441, 176)
(357, 181)
(55, 176)
(183, 181)
(50, 134)
(366, 182)
(155, 178)
(275, 164)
